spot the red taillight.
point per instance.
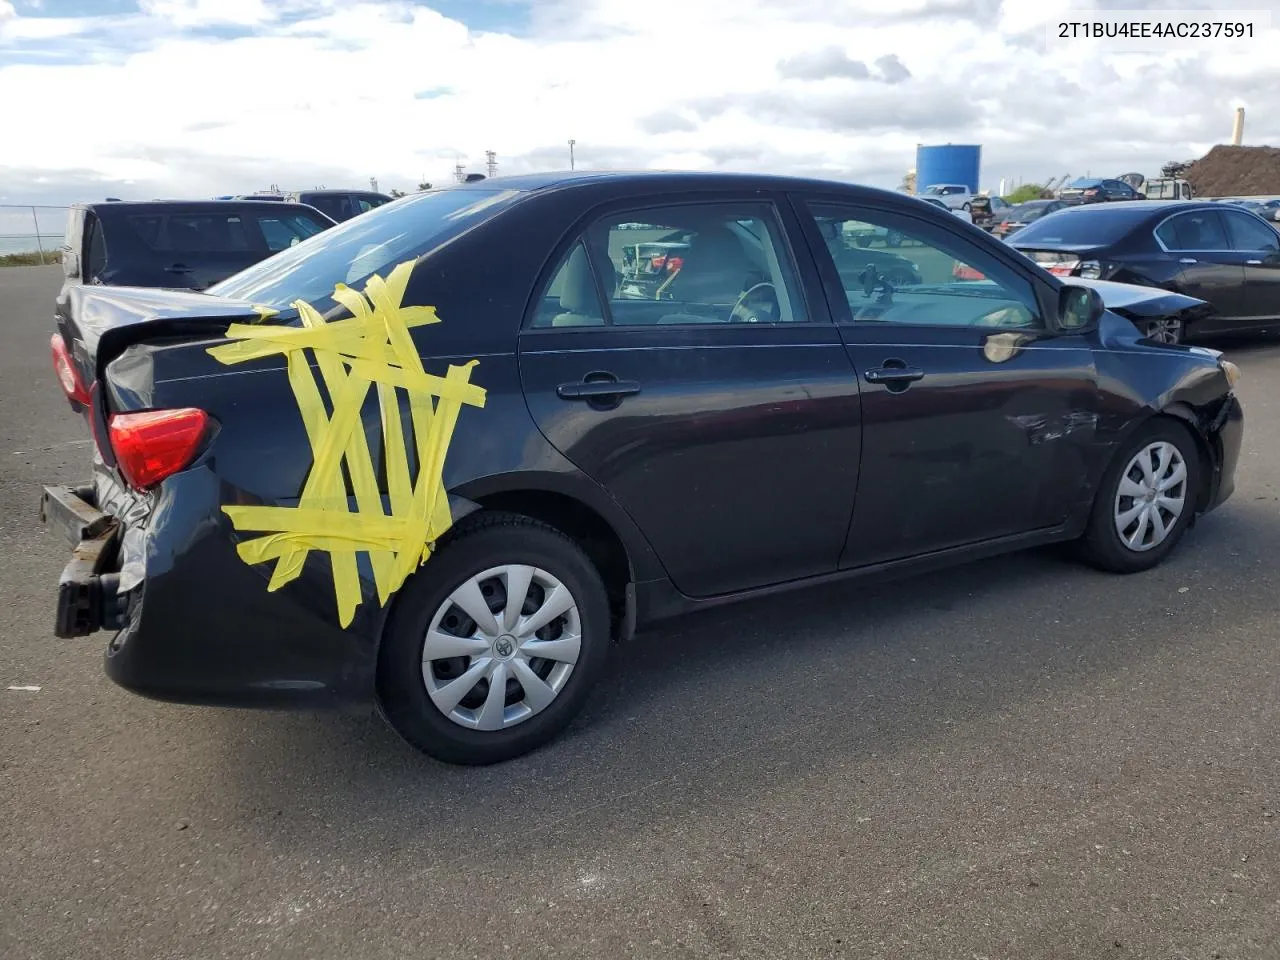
(65, 368)
(155, 444)
(674, 264)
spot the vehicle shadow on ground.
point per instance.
(765, 696)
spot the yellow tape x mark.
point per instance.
(373, 346)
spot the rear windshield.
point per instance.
(1028, 211)
(1097, 225)
(221, 233)
(354, 250)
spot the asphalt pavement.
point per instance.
(1021, 758)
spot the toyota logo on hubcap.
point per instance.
(504, 647)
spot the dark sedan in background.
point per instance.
(280, 512)
(1217, 252)
(1022, 214)
(184, 244)
(1097, 190)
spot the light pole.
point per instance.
(571, 143)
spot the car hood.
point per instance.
(1131, 299)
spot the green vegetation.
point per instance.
(1028, 191)
(31, 258)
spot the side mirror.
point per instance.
(70, 264)
(1080, 309)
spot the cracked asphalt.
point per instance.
(1021, 758)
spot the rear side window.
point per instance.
(193, 232)
(678, 264)
(368, 203)
(1198, 230)
(361, 246)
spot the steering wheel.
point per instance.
(739, 315)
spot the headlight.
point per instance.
(1231, 372)
(1091, 270)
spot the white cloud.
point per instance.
(200, 97)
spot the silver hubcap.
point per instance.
(1151, 497)
(1165, 331)
(501, 647)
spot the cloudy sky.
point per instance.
(146, 98)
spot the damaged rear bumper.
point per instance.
(89, 597)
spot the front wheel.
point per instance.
(1164, 330)
(494, 643)
(1146, 499)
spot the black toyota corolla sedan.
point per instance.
(1220, 253)
(442, 456)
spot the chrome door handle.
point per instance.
(1253, 262)
(1188, 260)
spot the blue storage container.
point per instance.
(948, 163)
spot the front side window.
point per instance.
(679, 264)
(931, 278)
(1247, 234)
(1200, 230)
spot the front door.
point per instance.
(681, 357)
(1259, 244)
(1208, 268)
(977, 415)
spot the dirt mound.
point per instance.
(1236, 171)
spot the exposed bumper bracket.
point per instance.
(87, 597)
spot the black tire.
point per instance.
(477, 544)
(1101, 545)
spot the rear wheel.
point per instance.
(495, 642)
(1146, 499)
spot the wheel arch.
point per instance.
(1180, 412)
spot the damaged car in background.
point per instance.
(1220, 253)
(373, 469)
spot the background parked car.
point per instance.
(963, 212)
(954, 196)
(1220, 253)
(1020, 215)
(1096, 190)
(179, 243)
(341, 205)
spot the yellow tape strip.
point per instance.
(372, 346)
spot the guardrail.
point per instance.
(34, 230)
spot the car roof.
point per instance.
(338, 190)
(672, 179)
(193, 206)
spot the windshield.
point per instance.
(1092, 225)
(374, 242)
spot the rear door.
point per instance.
(715, 403)
(977, 416)
(1260, 246)
(1208, 267)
